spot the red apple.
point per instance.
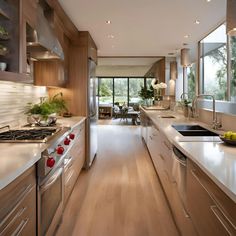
(72, 136)
(50, 162)
(60, 150)
(67, 141)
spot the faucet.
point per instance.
(215, 123)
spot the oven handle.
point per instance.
(52, 180)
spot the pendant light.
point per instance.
(185, 57)
(231, 18)
(173, 70)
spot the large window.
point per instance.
(106, 91)
(232, 48)
(134, 88)
(213, 63)
(121, 90)
(191, 76)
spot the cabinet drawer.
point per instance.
(11, 194)
(21, 220)
(207, 217)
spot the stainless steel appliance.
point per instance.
(50, 171)
(179, 172)
(91, 124)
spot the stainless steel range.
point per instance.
(50, 170)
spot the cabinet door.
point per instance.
(205, 214)
(49, 73)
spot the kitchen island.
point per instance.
(198, 177)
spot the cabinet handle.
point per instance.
(70, 176)
(21, 226)
(226, 223)
(18, 214)
(166, 145)
(25, 192)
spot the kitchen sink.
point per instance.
(193, 130)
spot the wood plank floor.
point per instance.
(120, 195)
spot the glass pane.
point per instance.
(148, 82)
(191, 75)
(233, 68)
(105, 90)
(214, 63)
(134, 88)
(121, 91)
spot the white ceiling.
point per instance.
(145, 27)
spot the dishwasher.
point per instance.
(179, 172)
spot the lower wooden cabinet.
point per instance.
(18, 206)
(206, 211)
(76, 160)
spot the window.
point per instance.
(134, 88)
(191, 80)
(121, 90)
(213, 63)
(232, 48)
(105, 90)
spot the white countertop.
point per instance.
(215, 158)
(16, 158)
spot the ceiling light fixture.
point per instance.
(186, 36)
(197, 22)
(108, 22)
(208, 0)
(110, 36)
(231, 18)
(173, 70)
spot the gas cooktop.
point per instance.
(36, 135)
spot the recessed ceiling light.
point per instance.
(185, 44)
(186, 36)
(108, 22)
(110, 36)
(197, 22)
(208, 0)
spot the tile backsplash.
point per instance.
(14, 98)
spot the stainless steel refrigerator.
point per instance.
(92, 118)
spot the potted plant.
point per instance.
(45, 112)
(146, 95)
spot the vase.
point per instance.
(185, 109)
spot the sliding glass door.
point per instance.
(121, 90)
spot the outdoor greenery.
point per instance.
(233, 68)
(121, 90)
(191, 82)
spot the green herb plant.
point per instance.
(56, 104)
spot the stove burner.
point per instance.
(34, 135)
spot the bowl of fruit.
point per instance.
(229, 137)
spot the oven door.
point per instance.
(50, 202)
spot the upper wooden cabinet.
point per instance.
(49, 73)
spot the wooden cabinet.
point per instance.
(160, 150)
(18, 206)
(212, 212)
(76, 159)
(144, 124)
(49, 73)
(105, 112)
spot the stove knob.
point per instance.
(67, 141)
(72, 136)
(60, 150)
(50, 162)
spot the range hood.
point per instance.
(42, 44)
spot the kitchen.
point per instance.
(165, 177)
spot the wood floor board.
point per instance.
(120, 195)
